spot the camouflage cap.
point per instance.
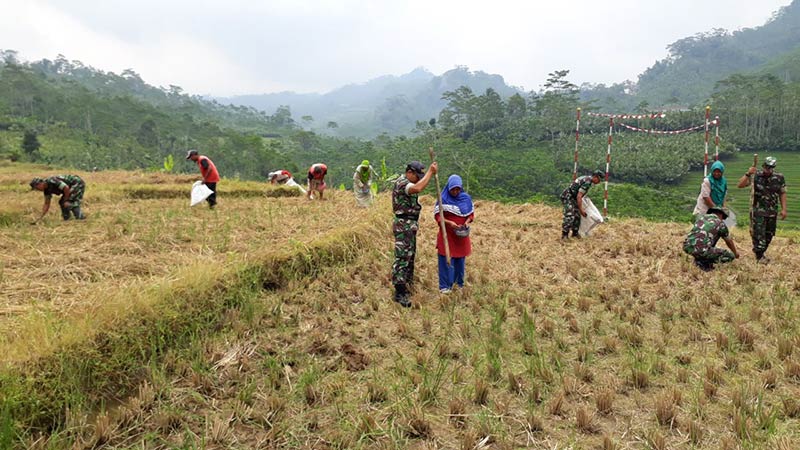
(598, 173)
(770, 161)
(35, 182)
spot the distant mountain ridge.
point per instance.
(688, 75)
(387, 104)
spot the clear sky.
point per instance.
(253, 46)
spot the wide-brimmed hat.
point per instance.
(719, 209)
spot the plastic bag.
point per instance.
(592, 219)
(290, 182)
(200, 192)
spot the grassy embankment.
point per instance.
(615, 341)
(788, 165)
(89, 307)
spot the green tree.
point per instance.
(30, 144)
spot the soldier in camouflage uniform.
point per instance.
(572, 198)
(69, 187)
(770, 188)
(702, 240)
(406, 210)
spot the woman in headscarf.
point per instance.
(713, 190)
(458, 215)
(362, 184)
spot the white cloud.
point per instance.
(246, 46)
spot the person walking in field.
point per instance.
(572, 199)
(209, 172)
(769, 190)
(363, 178)
(458, 215)
(69, 187)
(713, 190)
(702, 240)
(406, 208)
(316, 179)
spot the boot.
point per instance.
(564, 236)
(576, 235)
(401, 295)
(705, 266)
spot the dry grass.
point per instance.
(634, 333)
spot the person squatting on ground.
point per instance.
(702, 240)
(69, 187)
(572, 198)
(770, 188)
(209, 172)
(406, 208)
(363, 178)
(458, 215)
(279, 177)
(712, 191)
(316, 179)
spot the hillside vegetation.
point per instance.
(269, 323)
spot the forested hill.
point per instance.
(74, 115)
(388, 104)
(696, 63)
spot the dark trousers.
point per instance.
(212, 199)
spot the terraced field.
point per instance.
(269, 324)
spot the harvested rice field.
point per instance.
(615, 341)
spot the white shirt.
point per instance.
(705, 192)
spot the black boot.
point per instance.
(576, 235)
(705, 266)
(401, 295)
(564, 236)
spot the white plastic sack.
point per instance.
(200, 192)
(592, 219)
(293, 183)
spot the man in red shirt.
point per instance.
(209, 172)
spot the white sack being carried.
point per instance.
(200, 192)
(592, 219)
(292, 183)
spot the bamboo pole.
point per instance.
(441, 210)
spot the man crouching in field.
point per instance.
(69, 187)
(703, 238)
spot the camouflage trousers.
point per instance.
(711, 255)
(572, 216)
(762, 231)
(75, 198)
(405, 250)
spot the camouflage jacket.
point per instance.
(768, 192)
(581, 184)
(707, 230)
(55, 185)
(404, 204)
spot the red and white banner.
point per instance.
(660, 115)
(687, 130)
